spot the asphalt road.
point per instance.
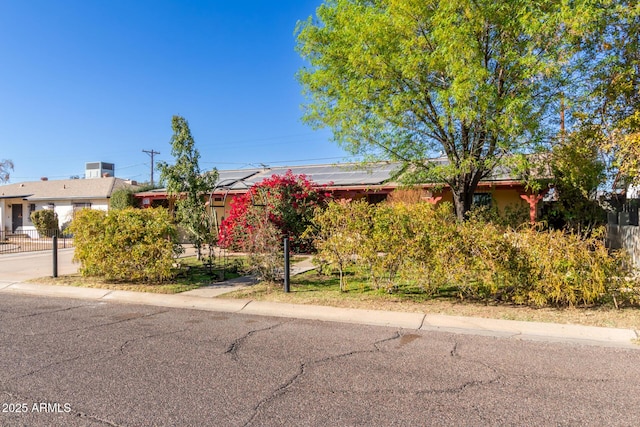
(66, 362)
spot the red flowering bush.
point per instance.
(285, 201)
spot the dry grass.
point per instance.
(312, 288)
(308, 289)
(92, 282)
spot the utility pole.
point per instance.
(151, 153)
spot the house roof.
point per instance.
(342, 175)
(237, 179)
(334, 176)
(64, 189)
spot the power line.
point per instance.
(253, 164)
(307, 160)
(131, 166)
(151, 153)
(270, 138)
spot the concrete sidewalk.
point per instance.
(23, 266)
(205, 300)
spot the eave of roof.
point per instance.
(43, 199)
(68, 189)
(24, 196)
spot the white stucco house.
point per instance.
(66, 196)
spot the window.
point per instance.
(218, 202)
(79, 206)
(482, 199)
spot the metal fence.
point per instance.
(31, 240)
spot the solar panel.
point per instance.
(350, 174)
(231, 178)
(342, 174)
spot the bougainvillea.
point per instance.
(286, 201)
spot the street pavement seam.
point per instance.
(579, 334)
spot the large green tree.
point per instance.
(578, 172)
(408, 80)
(189, 185)
(607, 97)
(5, 167)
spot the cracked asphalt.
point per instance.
(66, 362)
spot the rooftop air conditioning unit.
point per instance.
(99, 169)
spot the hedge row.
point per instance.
(407, 245)
(128, 244)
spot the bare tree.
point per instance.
(5, 167)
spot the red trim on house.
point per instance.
(344, 192)
(433, 199)
(532, 200)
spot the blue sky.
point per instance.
(96, 80)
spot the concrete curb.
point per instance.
(56, 291)
(176, 301)
(4, 284)
(589, 335)
(335, 314)
(532, 330)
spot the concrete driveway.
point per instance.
(32, 265)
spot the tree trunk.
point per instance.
(462, 203)
(463, 190)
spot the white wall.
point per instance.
(64, 209)
(6, 219)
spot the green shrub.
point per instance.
(122, 198)
(408, 246)
(128, 244)
(46, 222)
(566, 269)
(401, 248)
(514, 215)
(338, 232)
